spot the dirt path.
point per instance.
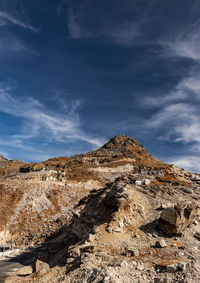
(11, 263)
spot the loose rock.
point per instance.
(161, 244)
(41, 268)
(171, 268)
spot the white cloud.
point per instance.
(6, 17)
(188, 89)
(186, 43)
(188, 162)
(178, 119)
(40, 122)
(178, 111)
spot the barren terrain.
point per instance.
(115, 214)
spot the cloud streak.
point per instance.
(186, 43)
(9, 41)
(188, 89)
(6, 17)
(41, 122)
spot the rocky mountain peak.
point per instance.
(122, 146)
(120, 142)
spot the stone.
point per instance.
(174, 220)
(182, 266)
(161, 244)
(165, 205)
(197, 236)
(124, 264)
(117, 230)
(171, 268)
(121, 224)
(195, 178)
(91, 238)
(140, 266)
(134, 252)
(69, 260)
(75, 252)
(147, 181)
(138, 183)
(40, 268)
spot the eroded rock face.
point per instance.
(174, 220)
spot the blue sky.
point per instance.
(74, 73)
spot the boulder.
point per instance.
(174, 220)
(40, 268)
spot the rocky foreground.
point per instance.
(115, 214)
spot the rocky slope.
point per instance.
(96, 216)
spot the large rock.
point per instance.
(40, 268)
(174, 220)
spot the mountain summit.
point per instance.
(122, 146)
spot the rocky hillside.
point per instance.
(116, 214)
(8, 167)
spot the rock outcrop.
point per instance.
(174, 220)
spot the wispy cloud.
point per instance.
(86, 21)
(185, 43)
(11, 44)
(188, 89)
(180, 122)
(6, 17)
(9, 40)
(177, 119)
(39, 122)
(60, 97)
